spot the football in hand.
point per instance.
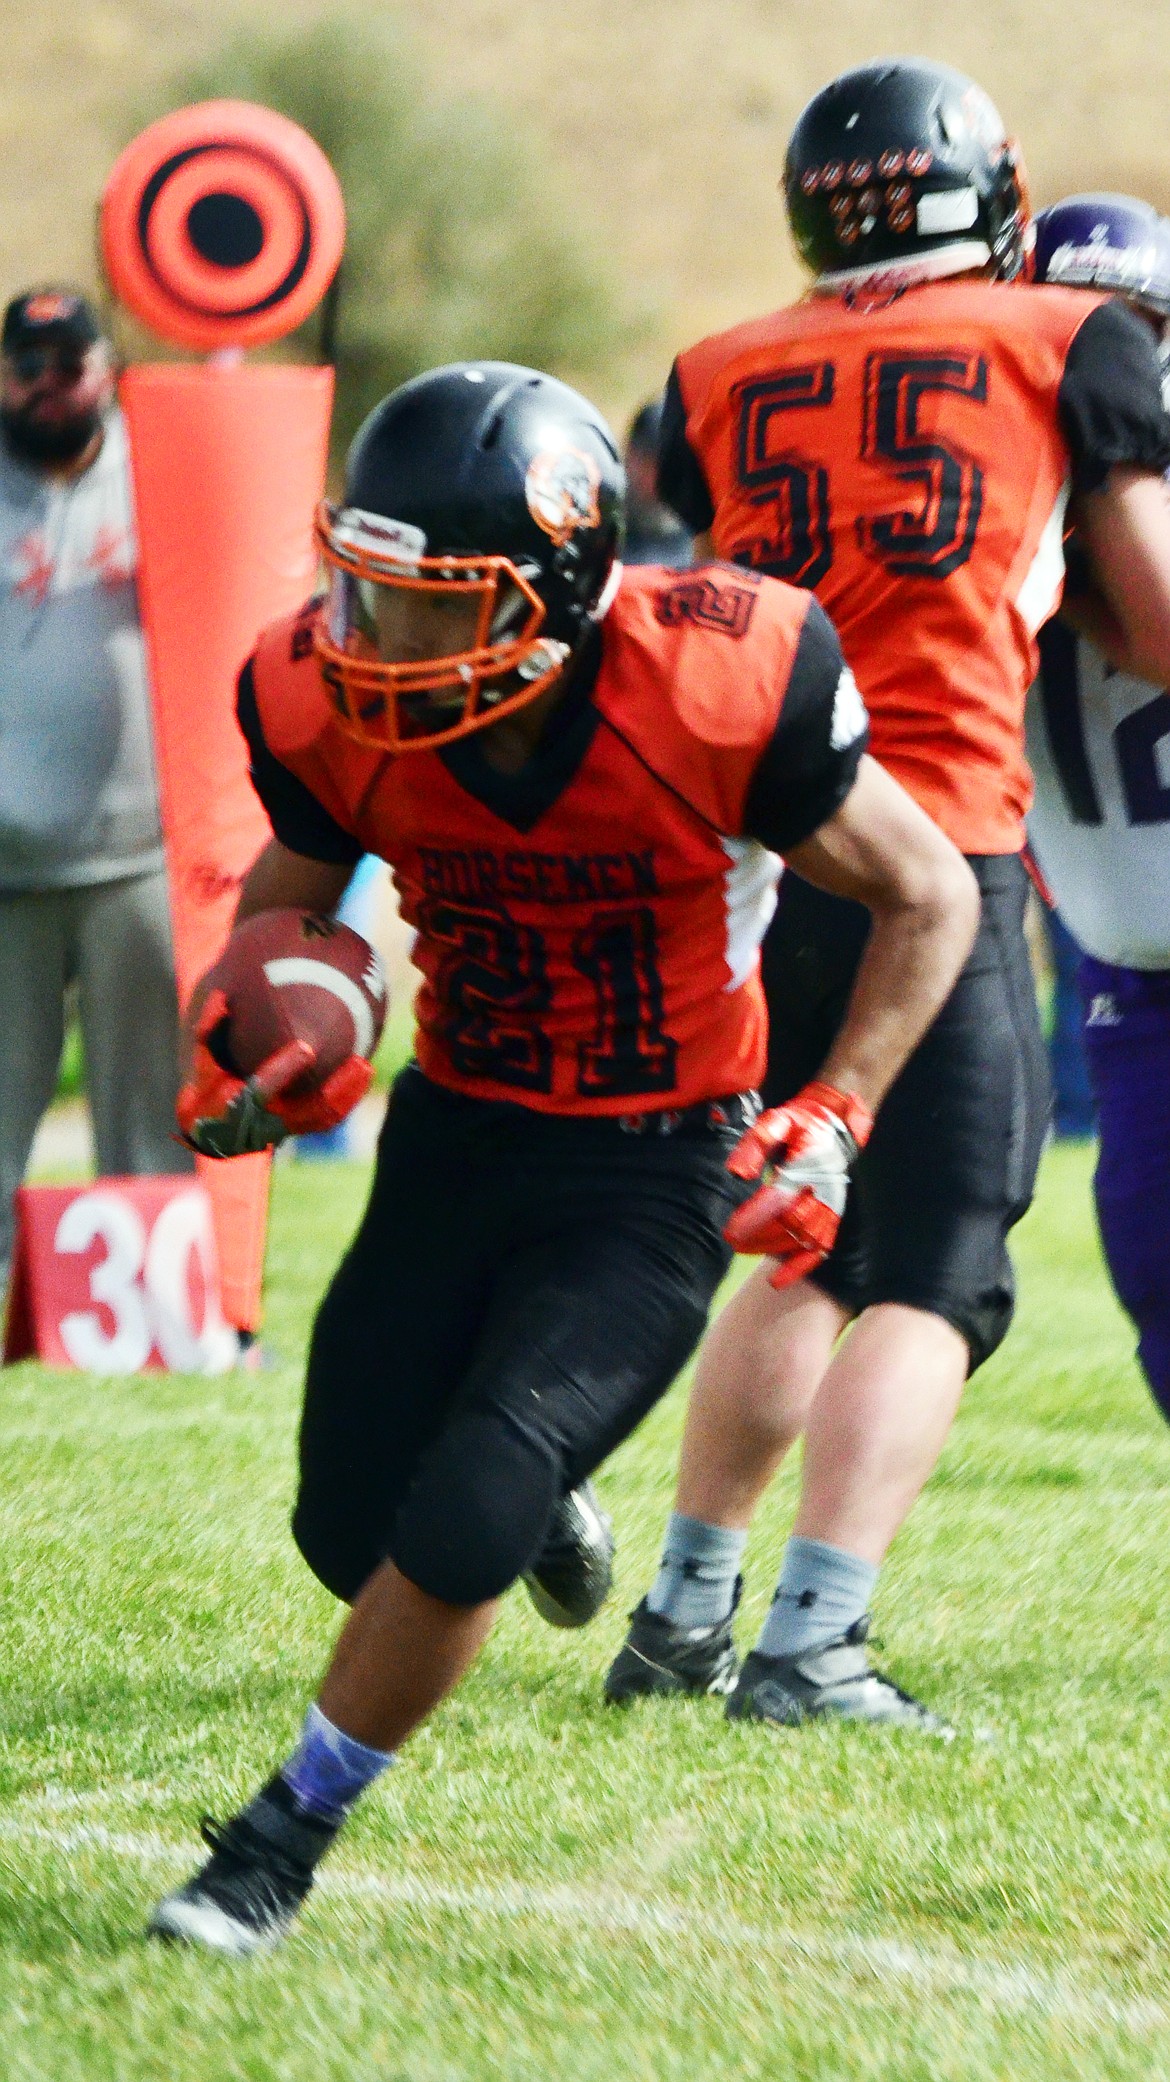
(293, 976)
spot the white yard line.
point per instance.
(1007, 1983)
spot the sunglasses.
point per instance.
(28, 363)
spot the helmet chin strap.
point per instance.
(609, 592)
(545, 656)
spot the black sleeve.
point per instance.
(1110, 398)
(812, 757)
(681, 482)
(300, 822)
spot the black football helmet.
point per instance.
(484, 483)
(904, 166)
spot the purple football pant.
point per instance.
(1127, 1039)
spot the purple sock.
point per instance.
(328, 1769)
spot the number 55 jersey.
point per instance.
(589, 927)
(909, 456)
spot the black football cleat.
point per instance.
(835, 1682)
(660, 1658)
(570, 1580)
(246, 1896)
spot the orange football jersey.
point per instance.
(588, 929)
(905, 458)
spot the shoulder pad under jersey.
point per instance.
(291, 694)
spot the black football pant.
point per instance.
(951, 1164)
(521, 1291)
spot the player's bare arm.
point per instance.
(1124, 529)
(881, 850)
(280, 879)
(885, 852)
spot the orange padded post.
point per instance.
(229, 463)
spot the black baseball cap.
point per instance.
(646, 428)
(60, 318)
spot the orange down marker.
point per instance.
(221, 225)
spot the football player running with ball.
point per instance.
(903, 441)
(581, 782)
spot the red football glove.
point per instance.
(222, 1115)
(809, 1147)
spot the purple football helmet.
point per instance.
(1113, 243)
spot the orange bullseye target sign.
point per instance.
(222, 225)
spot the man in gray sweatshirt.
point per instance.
(83, 899)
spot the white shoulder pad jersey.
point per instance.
(1099, 747)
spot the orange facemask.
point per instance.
(421, 702)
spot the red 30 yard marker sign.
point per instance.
(118, 1277)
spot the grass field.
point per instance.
(544, 1889)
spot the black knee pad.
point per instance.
(339, 1556)
(982, 1317)
(478, 1509)
(986, 1323)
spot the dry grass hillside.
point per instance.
(665, 118)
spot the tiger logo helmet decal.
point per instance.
(562, 487)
